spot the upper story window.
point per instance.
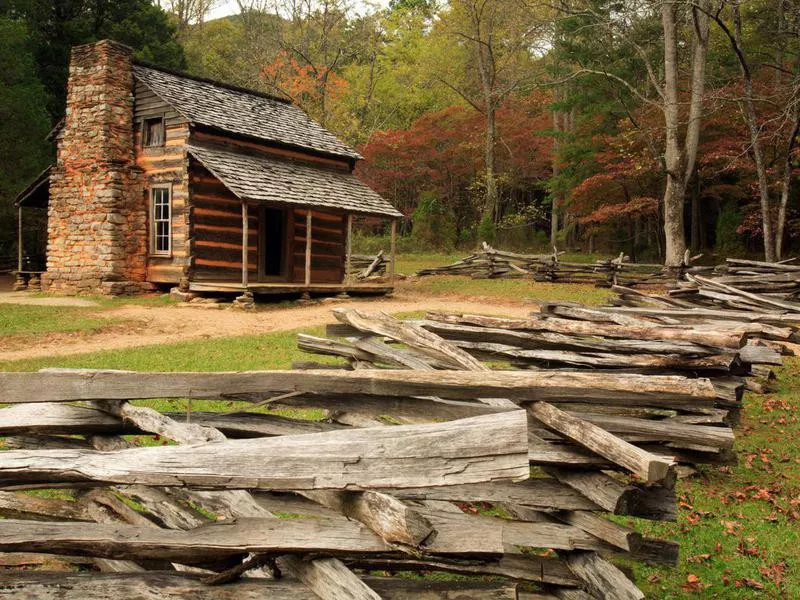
(161, 228)
(153, 132)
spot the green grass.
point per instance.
(507, 289)
(738, 526)
(266, 351)
(27, 320)
(411, 263)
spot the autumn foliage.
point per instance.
(441, 152)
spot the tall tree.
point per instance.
(54, 26)
(313, 38)
(188, 12)
(499, 37)
(24, 123)
(662, 87)
(785, 93)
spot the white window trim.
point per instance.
(153, 251)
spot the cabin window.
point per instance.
(153, 132)
(161, 234)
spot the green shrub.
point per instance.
(487, 230)
(729, 241)
(433, 224)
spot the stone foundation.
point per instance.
(97, 215)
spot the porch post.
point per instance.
(245, 243)
(19, 239)
(393, 251)
(349, 250)
(308, 248)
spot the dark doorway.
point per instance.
(272, 258)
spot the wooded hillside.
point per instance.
(646, 126)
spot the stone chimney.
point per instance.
(97, 216)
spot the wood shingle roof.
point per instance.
(242, 112)
(262, 178)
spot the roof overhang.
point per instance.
(37, 193)
(264, 179)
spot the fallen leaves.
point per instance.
(693, 584)
(746, 582)
(731, 527)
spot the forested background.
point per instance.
(638, 126)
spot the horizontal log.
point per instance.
(464, 451)
(485, 537)
(667, 430)
(24, 506)
(54, 418)
(694, 313)
(606, 360)
(157, 585)
(722, 339)
(520, 386)
(518, 567)
(541, 493)
(558, 341)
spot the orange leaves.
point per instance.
(693, 584)
(731, 527)
(637, 207)
(305, 84)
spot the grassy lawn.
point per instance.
(266, 351)
(25, 320)
(506, 289)
(738, 526)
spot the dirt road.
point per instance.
(149, 325)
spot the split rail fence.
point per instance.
(493, 449)
(489, 263)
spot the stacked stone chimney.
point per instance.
(97, 216)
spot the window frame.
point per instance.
(154, 251)
(145, 130)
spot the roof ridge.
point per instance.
(214, 82)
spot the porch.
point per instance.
(281, 288)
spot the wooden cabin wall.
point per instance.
(328, 239)
(166, 165)
(217, 230)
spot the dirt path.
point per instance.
(150, 325)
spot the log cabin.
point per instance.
(165, 179)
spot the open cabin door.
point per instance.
(272, 244)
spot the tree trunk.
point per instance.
(556, 170)
(695, 240)
(755, 142)
(490, 208)
(786, 184)
(673, 161)
(680, 162)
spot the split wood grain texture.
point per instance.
(479, 449)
